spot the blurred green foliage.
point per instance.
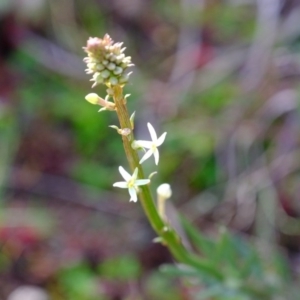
(125, 268)
(79, 282)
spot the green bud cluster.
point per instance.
(106, 61)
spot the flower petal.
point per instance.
(152, 132)
(156, 156)
(134, 175)
(142, 182)
(143, 144)
(161, 139)
(133, 195)
(146, 156)
(124, 174)
(121, 184)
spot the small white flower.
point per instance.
(151, 145)
(131, 183)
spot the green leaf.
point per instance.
(203, 244)
(79, 282)
(225, 250)
(125, 267)
(159, 286)
(179, 270)
(252, 265)
(281, 266)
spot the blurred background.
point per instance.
(221, 77)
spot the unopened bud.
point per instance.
(164, 191)
(93, 98)
(97, 100)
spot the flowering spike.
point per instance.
(106, 60)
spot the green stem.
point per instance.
(168, 235)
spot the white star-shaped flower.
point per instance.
(131, 183)
(151, 145)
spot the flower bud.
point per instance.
(93, 98)
(111, 66)
(164, 191)
(96, 100)
(113, 80)
(118, 70)
(105, 74)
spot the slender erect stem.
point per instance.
(167, 234)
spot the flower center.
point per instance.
(130, 183)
